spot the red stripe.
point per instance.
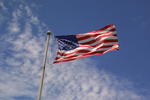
(109, 35)
(86, 36)
(101, 30)
(65, 60)
(105, 46)
(57, 58)
(60, 53)
(88, 46)
(101, 52)
(106, 41)
(77, 51)
(95, 52)
(93, 41)
(92, 35)
(86, 55)
(85, 50)
(104, 28)
(110, 25)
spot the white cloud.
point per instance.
(80, 81)
(2, 6)
(3, 9)
(14, 24)
(77, 80)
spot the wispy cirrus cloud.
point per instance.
(22, 56)
(14, 24)
(2, 10)
(20, 68)
(82, 81)
(2, 6)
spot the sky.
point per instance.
(116, 75)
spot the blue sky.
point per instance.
(115, 75)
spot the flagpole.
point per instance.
(44, 66)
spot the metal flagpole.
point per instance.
(43, 66)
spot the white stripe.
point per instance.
(103, 44)
(106, 30)
(81, 54)
(104, 38)
(95, 43)
(87, 48)
(93, 38)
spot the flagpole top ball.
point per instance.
(49, 32)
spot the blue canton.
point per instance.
(67, 43)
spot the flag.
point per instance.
(98, 42)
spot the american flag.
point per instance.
(98, 42)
